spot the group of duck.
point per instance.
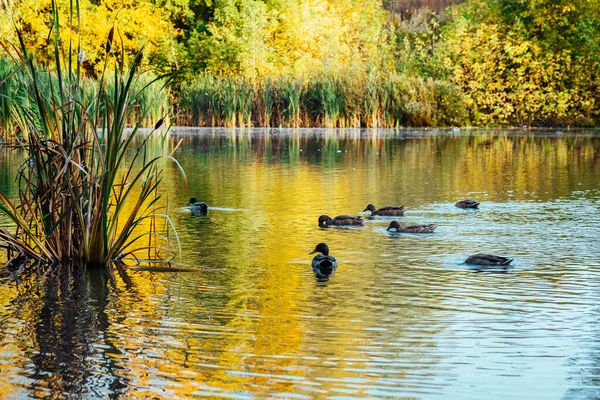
(324, 265)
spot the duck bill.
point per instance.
(366, 209)
(312, 252)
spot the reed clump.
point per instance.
(89, 190)
(368, 100)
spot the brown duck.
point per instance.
(326, 221)
(396, 211)
(396, 227)
(488, 260)
(467, 204)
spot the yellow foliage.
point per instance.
(297, 37)
(137, 24)
(507, 79)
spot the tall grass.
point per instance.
(89, 191)
(7, 91)
(148, 102)
(290, 93)
(14, 102)
(268, 101)
(371, 99)
(371, 103)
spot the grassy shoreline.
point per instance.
(373, 101)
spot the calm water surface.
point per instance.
(402, 318)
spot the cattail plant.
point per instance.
(89, 191)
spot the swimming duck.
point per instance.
(411, 228)
(387, 210)
(323, 264)
(199, 208)
(488, 260)
(467, 204)
(326, 221)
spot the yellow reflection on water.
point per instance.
(253, 321)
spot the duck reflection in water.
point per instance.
(323, 264)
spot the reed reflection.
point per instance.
(62, 330)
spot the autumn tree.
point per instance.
(137, 23)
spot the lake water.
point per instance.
(402, 317)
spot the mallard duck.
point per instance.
(323, 265)
(326, 221)
(397, 211)
(411, 228)
(488, 260)
(467, 204)
(198, 208)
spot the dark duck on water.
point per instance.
(396, 227)
(198, 208)
(488, 260)
(326, 221)
(467, 204)
(323, 265)
(396, 211)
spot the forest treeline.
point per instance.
(339, 63)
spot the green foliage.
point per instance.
(13, 100)
(419, 41)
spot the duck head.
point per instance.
(370, 207)
(324, 220)
(193, 200)
(321, 248)
(393, 225)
